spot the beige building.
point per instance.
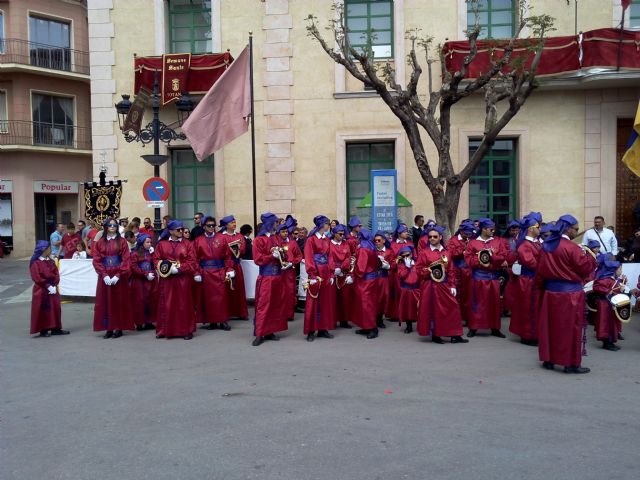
(319, 133)
(45, 136)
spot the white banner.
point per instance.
(78, 278)
(250, 272)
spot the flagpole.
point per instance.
(253, 138)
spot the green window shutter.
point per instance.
(192, 186)
(634, 14)
(497, 18)
(372, 18)
(189, 26)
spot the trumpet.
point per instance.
(230, 281)
(484, 256)
(352, 263)
(283, 255)
(589, 251)
(437, 268)
(307, 287)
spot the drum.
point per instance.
(516, 269)
(621, 304)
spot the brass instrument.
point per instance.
(484, 257)
(163, 267)
(307, 287)
(230, 281)
(352, 263)
(283, 255)
(437, 269)
(589, 251)
(235, 247)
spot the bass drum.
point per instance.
(621, 304)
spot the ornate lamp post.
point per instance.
(155, 131)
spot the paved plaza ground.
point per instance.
(398, 407)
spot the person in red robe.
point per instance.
(176, 314)
(456, 246)
(111, 261)
(353, 240)
(237, 304)
(524, 290)
(269, 296)
(400, 239)
(340, 268)
(70, 239)
(46, 313)
(367, 286)
(143, 284)
(409, 288)
(484, 289)
(292, 256)
(387, 258)
(609, 281)
(320, 308)
(424, 241)
(563, 267)
(215, 272)
(510, 244)
(439, 314)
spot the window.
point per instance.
(370, 19)
(52, 120)
(492, 187)
(1, 32)
(192, 185)
(497, 18)
(361, 159)
(634, 14)
(189, 26)
(4, 126)
(50, 43)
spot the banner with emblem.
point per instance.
(102, 201)
(133, 120)
(175, 73)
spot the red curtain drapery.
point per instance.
(603, 47)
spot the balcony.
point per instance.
(16, 54)
(52, 137)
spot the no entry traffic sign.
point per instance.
(155, 190)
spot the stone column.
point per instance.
(278, 107)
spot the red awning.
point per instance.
(203, 71)
(603, 47)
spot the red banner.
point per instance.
(175, 72)
(559, 55)
(605, 46)
(133, 120)
(204, 71)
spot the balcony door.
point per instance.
(49, 43)
(52, 120)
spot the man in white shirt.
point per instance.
(606, 237)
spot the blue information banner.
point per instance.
(384, 200)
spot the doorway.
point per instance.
(46, 215)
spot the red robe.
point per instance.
(456, 247)
(340, 257)
(69, 242)
(269, 316)
(293, 255)
(349, 294)
(143, 290)
(393, 283)
(368, 285)
(112, 309)
(484, 289)
(561, 318)
(320, 312)
(214, 259)
(46, 313)
(439, 313)
(409, 293)
(384, 280)
(176, 315)
(238, 296)
(525, 292)
(511, 257)
(607, 326)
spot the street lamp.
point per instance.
(155, 131)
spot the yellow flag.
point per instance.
(632, 156)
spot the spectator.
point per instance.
(302, 237)
(606, 237)
(91, 238)
(416, 230)
(165, 221)
(334, 223)
(246, 232)
(124, 222)
(198, 230)
(147, 228)
(56, 240)
(69, 241)
(631, 251)
(130, 237)
(80, 253)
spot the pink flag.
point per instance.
(625, 4)
(223, 114)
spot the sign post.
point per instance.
(156, 192)
(384, 200)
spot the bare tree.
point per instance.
(507, 80)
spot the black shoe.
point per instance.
(362, 331)
(272, 337)
(373, 334)
(59, 331)
(299, 309)
(224, 326)
(459, 339)
(211, 326)
(139, 328)
(311, 337)
(149, 326)
(612, 347)
(497, 333)
(576, 370)
(290, 319)
(380, 323)
(408, 328)
(160, 336)
(257, 341)
(620, 337)
(188, 337)
(345, 325)
(531, 343)
(44, 333)
(471, 333)
(437, 340)
(547, 365)
(117, 334)
(109, 334)
(324, 334)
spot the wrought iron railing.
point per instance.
(14, 50)
(20, 132)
